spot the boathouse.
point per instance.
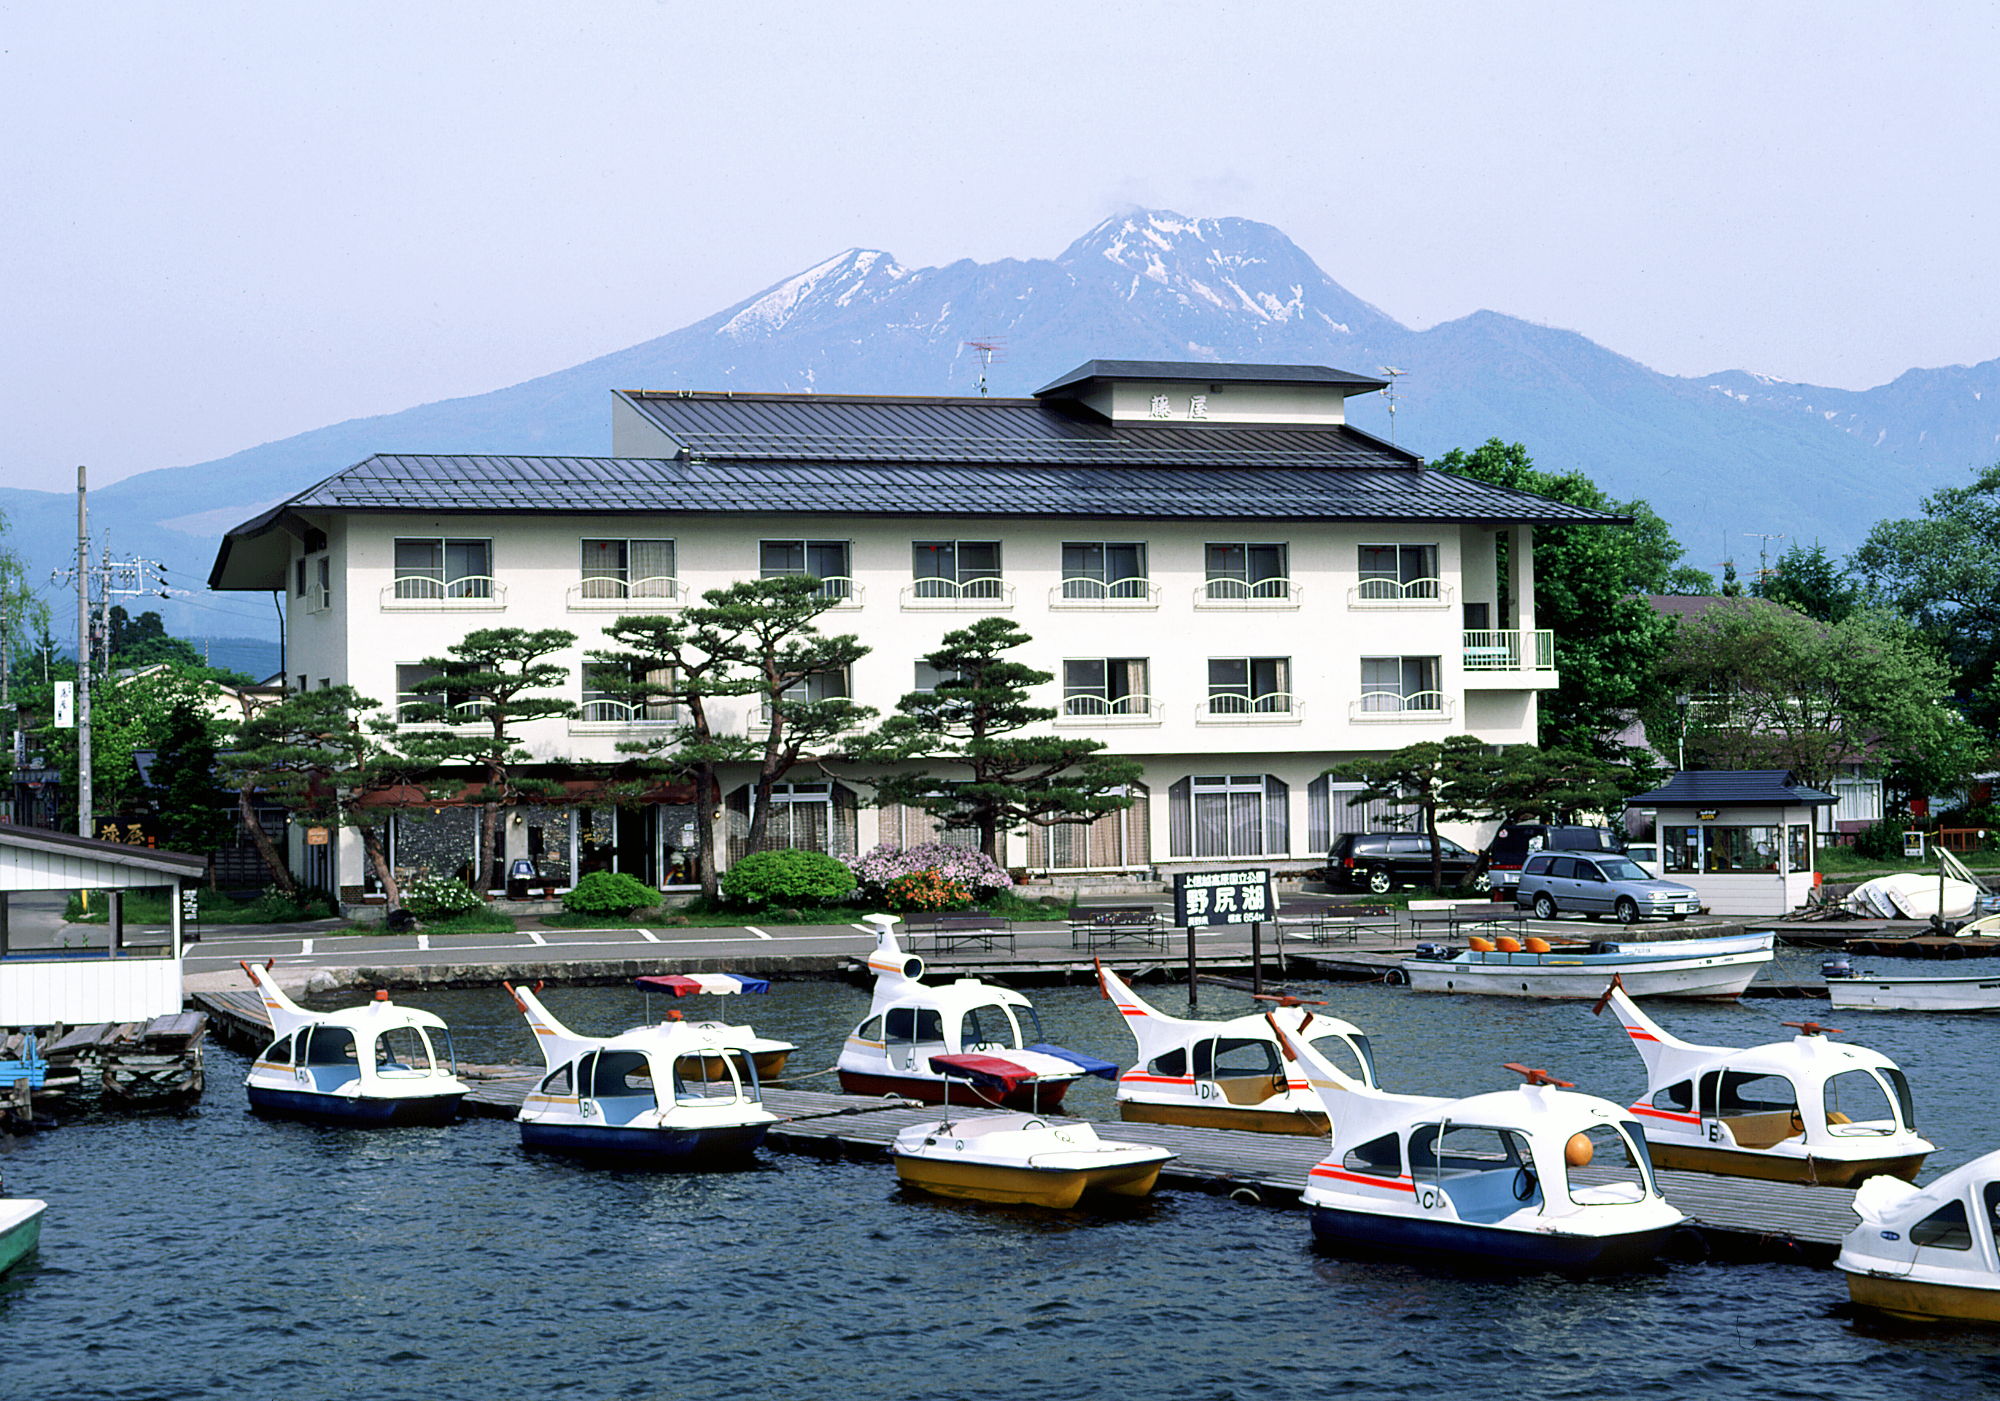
(119, 980)
(1743, 838)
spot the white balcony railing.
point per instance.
(1096, 593)
(616, 714)
(1086, 712)
(1510, 649)
(472, 593)
(974, 595)
(1393, 706)
(1391, 593)
(1239, 593)
(319, 600)
(634, 596)
(1272, 708)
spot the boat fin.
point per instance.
(559, 1044)
(1155, 1031)
(1356, 1110)
(286, 1015)
(1657, 1047)
(895, 969)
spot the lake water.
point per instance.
(219, 1255)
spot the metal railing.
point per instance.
(1506, 649)
(1242, 593)
(605, 591)
(1394, 705)
(617, 712)
(1229, 707)
(949, 593)
(1096, 593)
(1132, 710)
(423, 591)
(1393, 593)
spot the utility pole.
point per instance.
(83, 814)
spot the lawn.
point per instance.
(153, 907)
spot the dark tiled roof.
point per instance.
(1177, 370)
(1710, 788)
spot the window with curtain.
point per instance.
(1093, 569)
(829, 561)
(1104, 686)
(1248, 571)
(1399, 683)
(1399, 571)
(628, 568)
(1229, 815)
(1249, 685)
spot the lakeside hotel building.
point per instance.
(1228, 583)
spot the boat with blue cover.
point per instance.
(1534, 967)
(1532, 1177)
(376, 1065)
(674, 1094)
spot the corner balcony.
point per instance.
(607, 595)
(1510, 659)
(950, 596)
(1243, 595)
(1116, 596)
(1394, 594)
(1395, 708)
(419, 593)
(1096, 712)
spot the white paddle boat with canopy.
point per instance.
(1928, 1253)
(766, 1053)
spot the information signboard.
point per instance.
(1223, 897)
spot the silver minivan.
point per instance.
(1556, 882)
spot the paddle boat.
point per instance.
(1927, 1253)
(675, 1094)
(20, 1229)
(1228, 1074)
(375, 1065)
(1805, 1110)
(768, 1055)
(1529, 1177)
(1509, 967)
(1017, 1159)
(909, 1023)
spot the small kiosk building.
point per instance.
(1742, 838)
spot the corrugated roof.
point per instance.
(1732, 788)
(1182, 370)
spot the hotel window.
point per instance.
(1105, 686)
(1092, 570)
(1400, 683)
(1229, 815)
(415, 685)
(628, 568)
(1399, 571)
(929, 678)
(1249, 685)
(829, 561)
(956, 568)
(804, 817)
(1244, 571)
(444, 568)
(606, 701)
(299, 572)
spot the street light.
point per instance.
(1684, 701)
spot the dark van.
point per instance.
(1513, 843)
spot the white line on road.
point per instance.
(649, 936)
(865, 929)
(755, 930)
(536, 937)
(305, 946)
(423, 941)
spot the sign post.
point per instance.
(1210, 898)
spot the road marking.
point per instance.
(226, 960)
(864, 928)
(755, 930)
(649, 936)
(305, 946)
(423, 941)
(536, 937)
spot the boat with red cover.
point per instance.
(767, 1054)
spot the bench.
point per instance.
(1345, 923)
(951, 931)
(1116, 924)
(1460, 915)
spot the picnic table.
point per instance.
(1095, 925)
(1460, 915)
(1345, 923)
(951, 931)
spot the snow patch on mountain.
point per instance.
(838, 282)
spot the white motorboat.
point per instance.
(768, 1054)
(1534, 1176)
(909, 1023)
(1023, 1160)
(1507, 967)
(1927, 1252)
(1804, 1110)
(20, 1229)
(673, 1094)
(376, 1065)
(1228, 1074)
(1916, 992)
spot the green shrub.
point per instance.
(1883, 841)
(610, 893)
(787, 878)
(437, 897)
(273, 906)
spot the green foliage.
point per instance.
(787, 878)
(1811, 582)
(185, 796)
(1882, 841)
(610, 893)
(272, 906)
(968, 722)
(440, 897)
(1590, 587)
(142, 641)
(481, 921)
(127, 713)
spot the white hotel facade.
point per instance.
(1228, 583)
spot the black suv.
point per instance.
(1381, 861)
(1513, 843)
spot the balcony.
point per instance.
(1393, 594)
(1094, 712)
(319, 600)
(607, 595)
(1393, 707)
(419, 593)
(1243, 594)
(949, 596)
(1228, 708)
(1132, 593)
(598, 717)
(1510, 650)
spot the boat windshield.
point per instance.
(326, 1045)
(988, 1028)
(1350, 1055)
(1488, 1173)
(400, 1051)
(1607, 1167)
(1901, 1085)
(1857, 1105)
(714, 1073)
(441, 1048)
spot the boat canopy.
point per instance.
(681, 984)
(991, 1072)
(1089, 1065)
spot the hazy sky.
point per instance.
(226, 223)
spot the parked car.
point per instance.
(1514, 843)
(1647, 854)
(1381, 861)
(1554, 883)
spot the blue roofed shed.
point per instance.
(1743, 838)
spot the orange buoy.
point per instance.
(1578, 1152)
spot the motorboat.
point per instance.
(1509, 967)
(767, 1054)
(1535, 1176)
(673, 1094)
(377, 1064)
(20, 1229)
(1927, 1253)
(1228, 1074)
(1950, 992)
(1018, 1159)
(909, 1023)
(1805, 1110)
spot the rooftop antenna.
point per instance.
(992, 351)
(1390, 394)
(1763, 552)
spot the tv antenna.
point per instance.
(1763, 552)
(1390, 394)
(992, 351)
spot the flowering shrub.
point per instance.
(438, 897)
(971, 871)
(924, 890)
